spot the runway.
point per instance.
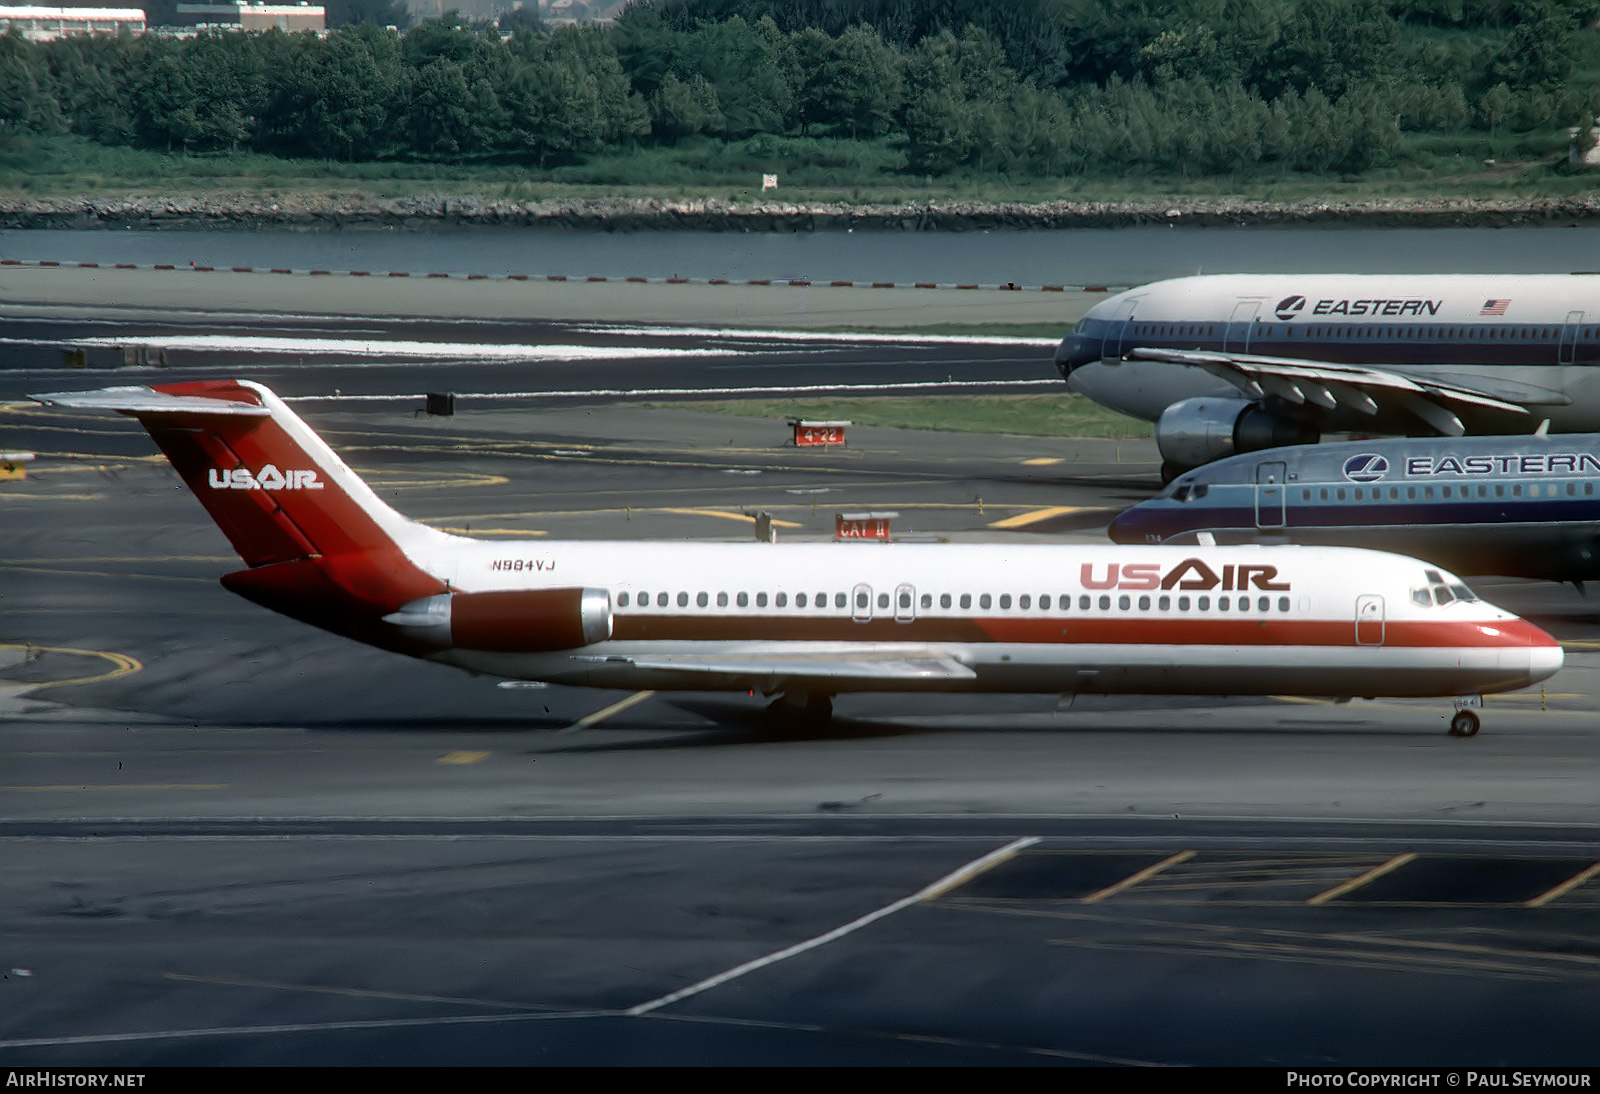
(233, 839)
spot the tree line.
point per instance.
(1029, 87)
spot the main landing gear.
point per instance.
(802, 708)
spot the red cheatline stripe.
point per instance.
(635, 279)
(1095, 288)
(594, 279)
(89, 265)
(320, 273)
(244, 269)
(966, 286)
(677, 281)
(162, 266)
(398, 273)
(49, 263)
(282, 271)
(359, 273)
(1051, 288)
(126, 266)
(10, 261)
(207, 269)
(477, 277)
(926, 285)
(842, 284)
(438, 275)
(516, 277)
(556, 277)
(800, 283)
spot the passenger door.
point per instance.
(1569, 337)
(1237, 339)
(861, 603)
(1369, 620)
(1270, 494)
(905, 604)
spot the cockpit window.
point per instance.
(1422, 598)
(1180, 493)
(1463, 593)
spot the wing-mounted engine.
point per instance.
(1197, 431)
(514, 621)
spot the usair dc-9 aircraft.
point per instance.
(805, 622)
(1240, 362)
(1523, 506)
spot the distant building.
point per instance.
(254, 16)
(42, 24)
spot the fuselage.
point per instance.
(1524, 506)
(1534, 337)
(1074, 619)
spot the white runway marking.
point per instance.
(933, 386)
(944, 884)
(823, 336)
(385, 348)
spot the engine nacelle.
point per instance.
(1197, 431)
(514, 621)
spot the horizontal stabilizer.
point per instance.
(144, 400)
(932, 667)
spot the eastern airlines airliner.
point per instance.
(1524, 506)
(1240, 362)
(805, 622)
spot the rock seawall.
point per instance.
(340, 211)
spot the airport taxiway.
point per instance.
(234, 839)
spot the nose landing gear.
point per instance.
(1465, 723)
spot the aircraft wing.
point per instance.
(1436, 400)
(793, 667)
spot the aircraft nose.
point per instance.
(1076, 350)
(1544, 661)
(1131, 526)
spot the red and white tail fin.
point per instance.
(285, 501)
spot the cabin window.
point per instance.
(1024, 601)
(1164, 603)
(661, 600)
(622, 600)
(1203, 604)
(799, 600)
(782, 600)
(1572, 489)
(1222, 603)
(722, 600)
(1283, 603)
(1144, 603)
(883, 600)
(1044, 602)
(1083, 603)
(1264, 604)
(1427, 492)
(1444, 491)
(683, 600)
(1105, 603)
(1005, 601)
(863, 600)
(1360, 494)
(1183, 603)
(966, 600)
(1305, 495)
(1411, 493)
(840, 600)
(905, 600)
(1322, 495)
(743, 600)
(702, 600)
(944, 600)
(927, 600)
(985, 601)
(1516, 490)
(1588, 489)
(1244, 603)
(1124, 603)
